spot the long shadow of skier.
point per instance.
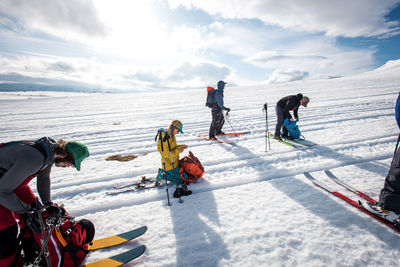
(194, 224)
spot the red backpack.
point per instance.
(192, 166)
(67, 245)
(210, 102)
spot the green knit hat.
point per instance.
(79, 152)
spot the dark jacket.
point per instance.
(19, 164)
(290, 102)
(397, 111)
(219, 99)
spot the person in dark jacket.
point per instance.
(389, 197)
(20, 162)
(217, 114)
(282, 108)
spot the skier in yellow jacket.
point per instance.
(170, 151)
(168, 147)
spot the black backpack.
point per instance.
(210, 100)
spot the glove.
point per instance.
(182, 192)
(178, 193)
(53, 208)
(228, 109)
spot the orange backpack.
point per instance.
(192, 166)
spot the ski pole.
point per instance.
(164, 168)
(53, 222)
(267, 140)
(226, 116)
(173, 169)
(43, 251)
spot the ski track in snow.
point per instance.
(350, 120)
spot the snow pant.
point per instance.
(389, 197)
(280, 118)
(171, 175)
(217, 123)
(8, 244)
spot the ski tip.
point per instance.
(134, 233)
(120, 259)
(129, 255)
(116, 239)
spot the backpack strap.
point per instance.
(69, 247)
(159, 135)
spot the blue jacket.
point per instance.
(219, 99)
(397, 111)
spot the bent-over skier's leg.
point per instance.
(279, 120)
(389, 197)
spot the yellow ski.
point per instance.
(117, 239)
(119, 259)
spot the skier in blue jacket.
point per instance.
(218, 119)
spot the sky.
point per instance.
(177, 44)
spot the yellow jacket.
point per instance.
(166, 155)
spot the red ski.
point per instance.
(351, 189)
(349, 201)
(219, 141)
(235, 134)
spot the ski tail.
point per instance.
(234, 134)
(118, 259)
(348, 187)
(143, 180)
(115, 240)
(219, 141)
(283, 141)
(302, 142)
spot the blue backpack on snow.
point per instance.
(292, 128)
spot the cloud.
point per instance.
(320, 56)
(268, 56)
(61, 66)
(204, 71)
(334, 18)
(185, 75)
(49, 70)
(55, 17)
(282, 76)
(126, 44)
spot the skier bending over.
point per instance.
(282, 108)
(20, 162)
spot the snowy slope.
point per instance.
(253, 206)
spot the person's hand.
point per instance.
(53, 208)
(291, 119)
(183, 147)
(228, 109)
(297, 119)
